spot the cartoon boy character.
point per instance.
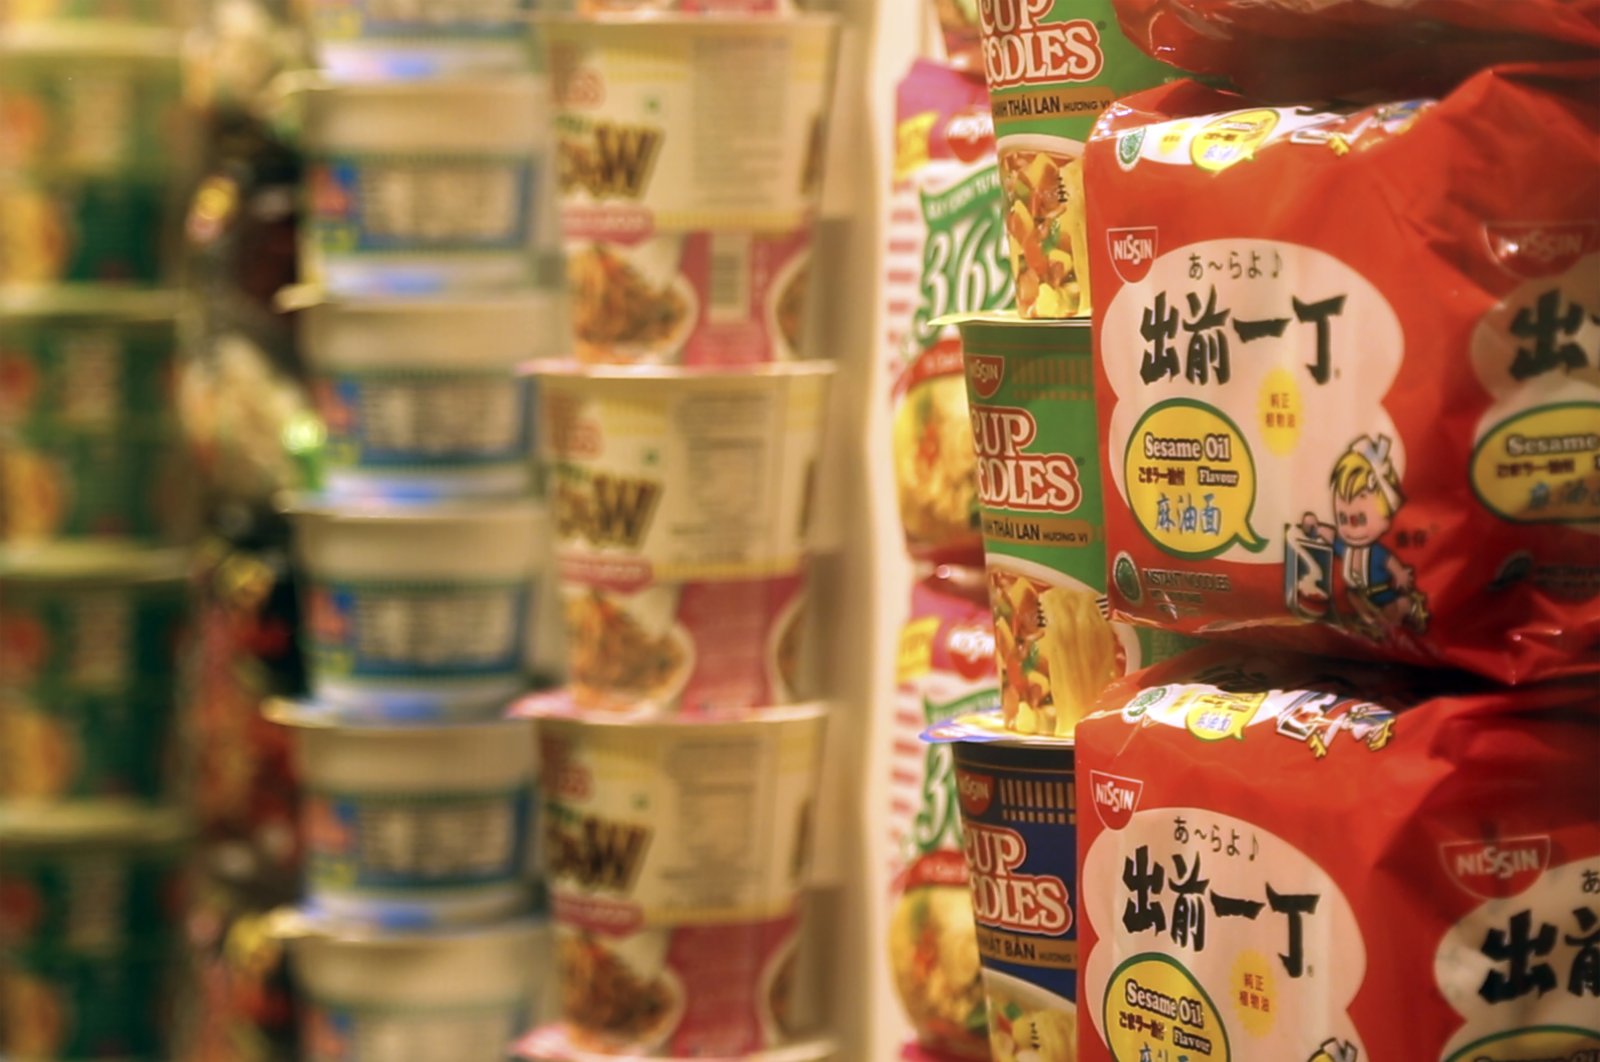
(1380, 588)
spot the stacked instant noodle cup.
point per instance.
(422, 558)
(94, 515)
(1371, 438)
(679, 441)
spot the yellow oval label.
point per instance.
(1542, 466)
(1151, 1000)
(1231, 138)
(1562, 1042)
(1191, 480)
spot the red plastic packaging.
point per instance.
(1303, 860)
(1352, 405)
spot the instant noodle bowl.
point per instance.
(410, 827)
(1052, 66)
(384, 40)
(675, 854)
(1019, 830)
(90, 878)
(418, 612)
(90, 643)
(419, 395)
(1305, 452)
(682, 501)
(87, 361)
(422, 187)
(131, 482)
(1235, 802)
(697, 298)
(945, 254)
(67, 228)
(1030, 389)
(944, 668)
(104, 108)
(689, 123)
(461, 994)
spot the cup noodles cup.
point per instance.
(1019, 828)
(87, 361)
(88, 878)
(676, 853)
(1235, 803)
(423, 187)
(414, 826)
(1052, 66)
(1030, 387)
(100, 110)
(75, 228)
(944, 668)
(130, 482)
(461, 994)
(700, 298)
(419, 395)
(690, 123)
(380, 40)
(90, 644)
(418, 612)
(697, 647)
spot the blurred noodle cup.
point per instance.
(710, 647)
(1052, 66)
(67, 228)
(88, 360)
(89, 878)
(90, 643)
(462, 994)
(378, 40)
(419, 187)
(1030, 387)
(689, 123)
(676, 855)
(1019, 835)
(690, 298)
(418, 612)
(414, 827)
(667, 475)
(419, 395)
(130, 482)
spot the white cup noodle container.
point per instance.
(414, 827)
(419, 612)
(692, 122)
(463, 995)
(666, 475)
(676, 854)
(695, 648)
(394, 40)
(704, 298)
(420, 396)
(419, 187)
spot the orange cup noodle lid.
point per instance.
(551, 1043)
(560, 704)
(987, 727)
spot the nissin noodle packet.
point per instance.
(946, 254)
(1353, 404)
(1287, 859)
(1312, 48)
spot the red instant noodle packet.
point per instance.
(1348, 370)
(1298, 860)
(1309, 49)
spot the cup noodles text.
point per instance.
(1285, 857)
(1302, 443)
